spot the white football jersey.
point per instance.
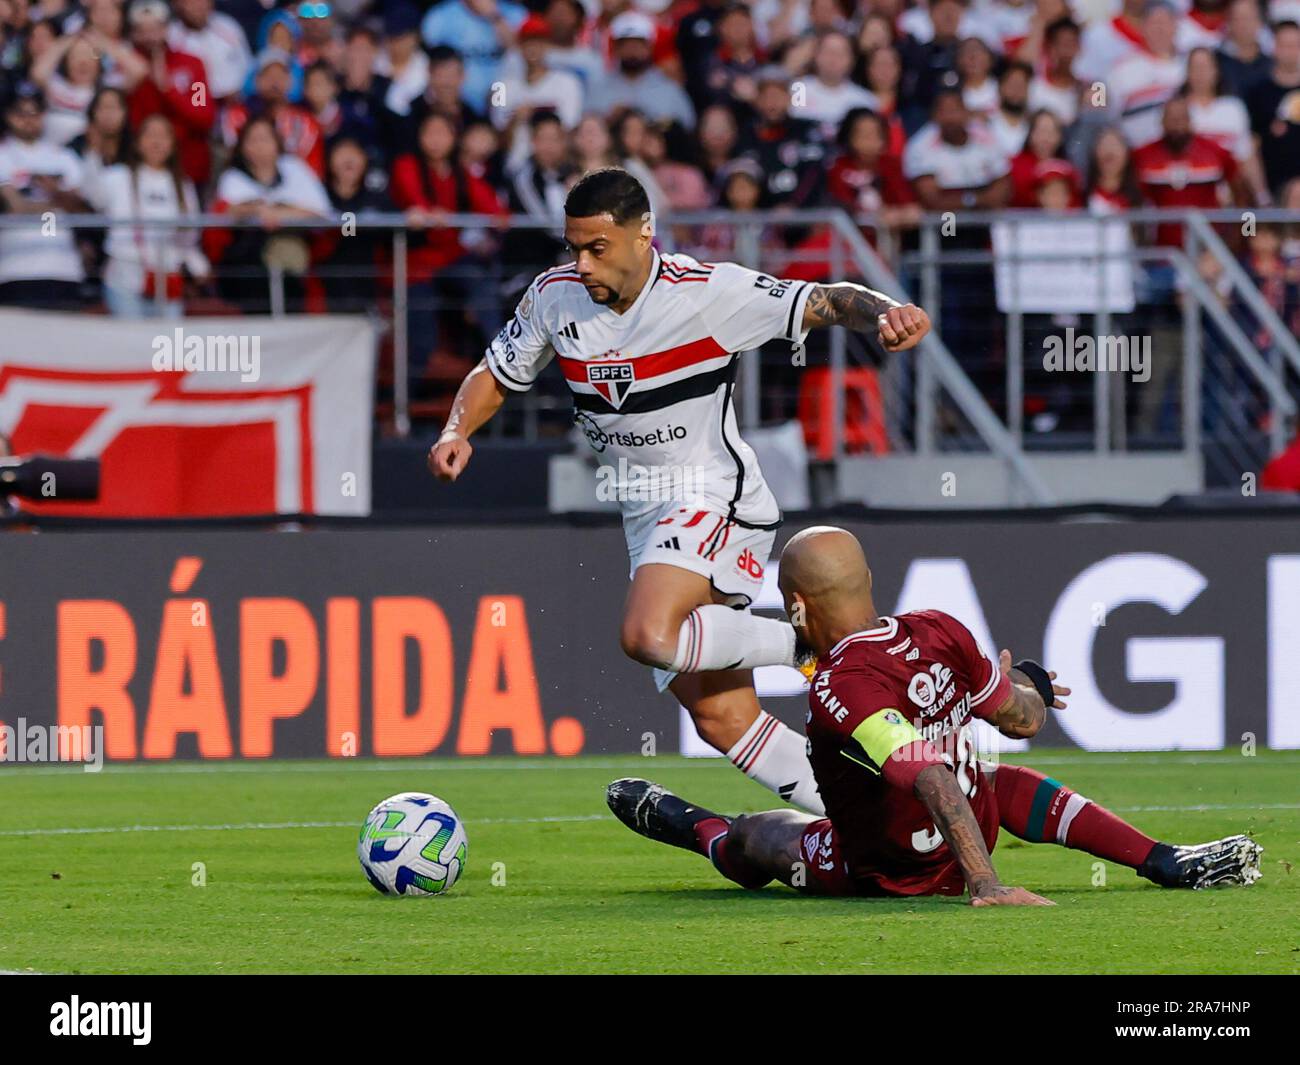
(653, 386)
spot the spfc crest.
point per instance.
(613, 380)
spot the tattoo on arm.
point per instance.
(847, 304)
(1024, 714)
(955, 820)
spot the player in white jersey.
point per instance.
(648, 344)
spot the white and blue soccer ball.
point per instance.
(413, 844)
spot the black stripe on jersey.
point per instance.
(702, 384)
(498, 372)
(740, 466)
(687, 269)
(794, 302)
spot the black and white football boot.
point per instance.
(1234, 860)
(650, 810)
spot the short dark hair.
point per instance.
(444, 53)
(1016, 66)
(1064, 24)
(610, 190)
(856, 115)
(543, 117)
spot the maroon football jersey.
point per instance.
(925, 668)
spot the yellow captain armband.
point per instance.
(877, 737)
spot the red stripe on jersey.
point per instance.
(679, 280)
(661, 362)
(700, 515)
(559, 277)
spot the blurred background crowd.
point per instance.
(324, 107)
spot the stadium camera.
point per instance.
(42, 478)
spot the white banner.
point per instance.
(1063, 286)
(200, 416)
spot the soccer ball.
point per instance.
(412, 844)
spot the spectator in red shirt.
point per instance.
(1182, 169)
(446, 267)
(865, 177)
(176, 86)
(299, 131)
(1112, 180)
(882, 72)
(1045, 144)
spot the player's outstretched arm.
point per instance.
(937, 788)
(1025, 710)
(900, 325)
(479, 397)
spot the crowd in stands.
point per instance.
(887, 108)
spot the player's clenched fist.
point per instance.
(903, 327)
(1009, 896)
(448, 457)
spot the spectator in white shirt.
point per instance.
(1009, 124)
(1141, 85)
(39, 267)
(539, 89)
(402, 60)
(262, 183)
(829, 94)
(979, 89)
(953, 162)
(144, 275)
(68, 72)
(104, 143)
(1056, 89)
(1107, 42)
(214, 37)
(1222, 118)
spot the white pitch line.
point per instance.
(372, 765)
(272, 825)
(258, 826)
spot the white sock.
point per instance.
(718, 637)
(777, 757)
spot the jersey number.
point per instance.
(926, 840)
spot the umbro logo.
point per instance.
(570, 331)
(670, 544)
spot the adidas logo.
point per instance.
(670, 544)
(570, 331)
(786, 790)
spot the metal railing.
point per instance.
(1236, 314)
(932, 400)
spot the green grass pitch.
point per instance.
(97, 875)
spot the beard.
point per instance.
(1014, 108)
(603, 295)
(633, 66)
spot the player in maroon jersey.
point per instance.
(911, 810)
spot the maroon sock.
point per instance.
(714, 843)
(1039, 809)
